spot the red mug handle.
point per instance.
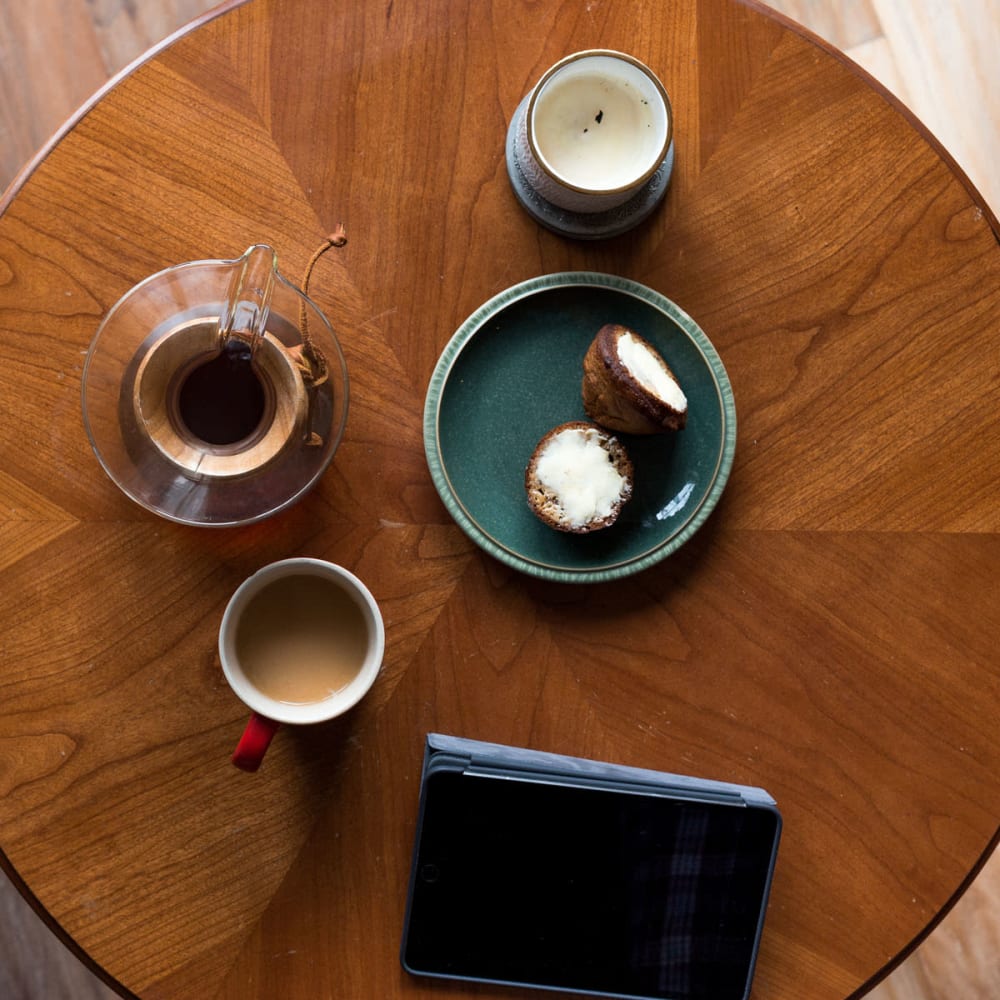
(254, 742)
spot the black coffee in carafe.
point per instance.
(222, 401)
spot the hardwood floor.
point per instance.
(935, 55)
(33, 963)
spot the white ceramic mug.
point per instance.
(594, 130)
(301, 642)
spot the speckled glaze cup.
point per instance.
(593, 131)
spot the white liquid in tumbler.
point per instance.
(596, 131)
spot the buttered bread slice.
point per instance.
(579, 478)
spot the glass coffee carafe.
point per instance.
(215, 392)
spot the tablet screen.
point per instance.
(587, 889)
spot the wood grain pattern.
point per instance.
(48, 73)
(824, 636)
(936, 58)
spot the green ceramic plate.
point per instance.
(512, 371)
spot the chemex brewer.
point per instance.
(215, 392)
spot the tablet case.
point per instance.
(494, 759)
(499, 761)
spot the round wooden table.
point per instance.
(830, 634)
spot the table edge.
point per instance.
(21, 177)
(59, 932)
(758, 6)
(862, 991)
(888, 96)
(96, 969)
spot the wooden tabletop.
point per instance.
(830, 634)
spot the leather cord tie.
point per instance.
(309, 359)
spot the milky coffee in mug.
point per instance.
(301, 642)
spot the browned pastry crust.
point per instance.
(613, 397)
(546, 505)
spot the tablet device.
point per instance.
(545, 871)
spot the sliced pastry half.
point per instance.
(578, 478)
(628, 387)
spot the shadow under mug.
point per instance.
(281, 607)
